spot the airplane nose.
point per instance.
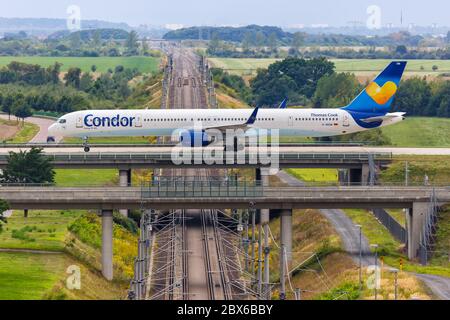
(52, 129)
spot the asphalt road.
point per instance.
(42, 123)
(440, 286)
(349, 233)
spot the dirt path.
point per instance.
(7, 132)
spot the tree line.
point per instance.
(255, 35)
(314, 83)
(85, 43)
(25, 88)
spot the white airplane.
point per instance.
(370, 109)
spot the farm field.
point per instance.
(143, 64)
(359, 66)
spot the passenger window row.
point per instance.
(204, 119)
(316, 119)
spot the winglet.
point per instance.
(252, 118)
(283, 104)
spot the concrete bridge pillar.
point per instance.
(124, 181)
(285, 248)
(107, 244)
(365, 174)
(286, 232)
(415, 220)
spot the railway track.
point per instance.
(194, 264)
(210, 284)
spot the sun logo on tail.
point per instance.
(381, 95)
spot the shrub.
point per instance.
(21, 234)
(345, 291)
(88, 229)
(127, 223)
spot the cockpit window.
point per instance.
(62, 121)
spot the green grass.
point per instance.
(86, 177)
(244, 65)
(314, 175)
(435, 167)
(241, 66)
(143, 64)
(442, 245)
(375, 232)
(398, 215)
(31, 276)
(42, 230)
(27, 132)
(356, 65)
(420, 132)
(26, 276)
(413, 132)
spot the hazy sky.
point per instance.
(235, 12)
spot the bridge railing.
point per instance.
(180, 182)
(287, 156)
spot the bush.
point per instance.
(135, 215)
(127, 223)
(346, 291)
(21, 234)
(88, 229)
(4, 206)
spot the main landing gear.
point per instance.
(86, 144)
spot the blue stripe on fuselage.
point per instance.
(357, 116)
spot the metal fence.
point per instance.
(202, 189)
(428, 234)
(395, 228)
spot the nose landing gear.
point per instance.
(86, 144)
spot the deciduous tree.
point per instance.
(28, 167)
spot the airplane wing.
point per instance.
(251, 120)
(385, 117)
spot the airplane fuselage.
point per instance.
(289, 122)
